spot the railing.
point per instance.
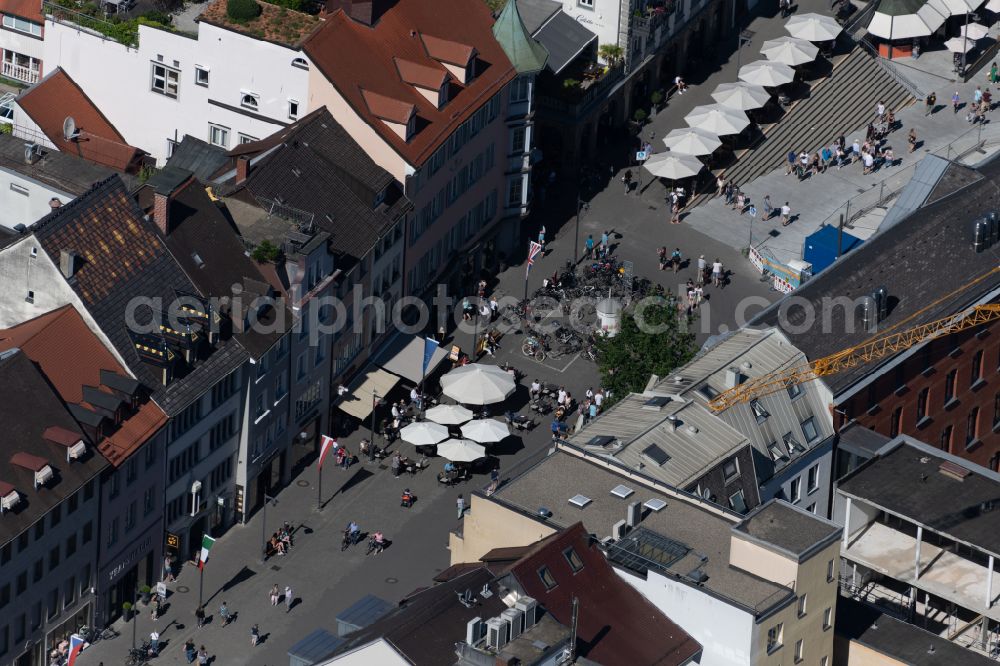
(890, 68)
(579, 108)
(20, 72)
(124, 32)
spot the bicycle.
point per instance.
(139, 655)
(533, 348)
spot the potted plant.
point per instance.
(127, 607)
(145, 590)
(640, 116)
(657, 99)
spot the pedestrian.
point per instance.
(224, 614)
(154, 642)
(855, 151)
(680, 85)
(190, 651)
(675, 259)
(720, 184)
(592, 410)
(790, 167)
(661, 254)
(494, 480)
(460, 505)
(396, 464)
(199, 616)
(702, 265)
(699, 294)
(977, 96)
(345, 460)
(274, 594)
(955, 101)
(627, 179)
(254, 635)
(911, 139)
(786, 212)
(717, 272)
(541, 237)
(154, 612)
(880, 110)
(768, 208)
(599, 398)
(728, 192)
(869, 162)
(803, 164)
(590, 246)
(202, 656)
(675, 214)
(988, 99)
(289, 598)
(994, 74)
(605, 243)
(561, 396)
(929, 103)
(168, 570)
(739, 203)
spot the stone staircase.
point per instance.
(838, 105)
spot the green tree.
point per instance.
(265, 252)
(241, 11)
(610, 53)
(640, 116)
(651, 342)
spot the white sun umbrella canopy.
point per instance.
(906, 19)
(974, 31)
(673, 165)
(485, 430)
(960, 45)
(767, 73)
(692, 141)
(742, 96)
(478, 384)
(718, 119)
(424, 433)
(958, 7)
(813, 27)
(992, 6)
(789, 50)
(461, 450)
(449, 414)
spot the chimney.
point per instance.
(161, 212)
(242, 168)
(54, 203)
(619, 530)
(634, 514)
(67, 262)
(733, 377)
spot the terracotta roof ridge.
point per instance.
(419, 74)
(441, 49)
(378, 105)
(55, 316)
(59, 70)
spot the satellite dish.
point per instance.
(70, 133)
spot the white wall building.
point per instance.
(21, 34)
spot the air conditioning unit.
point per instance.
(515, 622)
(529, 610)
(497, 633)
(9, 501)
(76, 451)
(43, 475)
(474, 630)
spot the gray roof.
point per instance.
(860, 440)
(907, 482)
(920, 261)
(564, 38)
(925, 178)
(535, 13)
(199, 157)
(705, 532)
(61, 171)
(789, 528)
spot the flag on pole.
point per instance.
(533, 250)
(75, 648)
(328, 444)
(206, 545)
(430, 346)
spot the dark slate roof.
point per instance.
(901, 642)
(794, 530)
(920, 260)
(564, 38)
(121, 257)
(315, 167)
(534, 13)
(62, 171)
(860, 440)
(427, 624)
(199, 157)
(616, 624)
(29, 405)
(907, 481)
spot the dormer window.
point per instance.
(250, 101)
(300, 63)
(411, 127)
(443, 95)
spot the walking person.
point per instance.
(254, 635)
(790, 167)
(154, 642)
(702, 265)
(460, 505)
(977, 96)
(396, 464)
(590, 246)
(786, 213)
(605, 244)
(154, 613)
(661, 254)
(199, 616)
(880, 110)
(720, 185)
(494, 480)
(168, 570)
(717, 273)
(541, 237)
(768, 208)
(911, 139)
(675, 259)
(190, 651)
(224, 613)
(994, 74)
(202, 656)
(275, 594)
(929, 103)
(956, 101)
(289, 598)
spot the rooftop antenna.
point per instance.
(70, 131)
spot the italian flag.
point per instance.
(329, 444)
(206, 545)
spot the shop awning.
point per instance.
(404, 356)
(358, 400)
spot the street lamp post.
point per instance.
(744, 40)
(263, 526)
(135, 613)
(371, 442)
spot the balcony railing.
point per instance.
(594, 94)
(20, 72)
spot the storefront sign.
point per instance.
(454, 353)
(173, 541)
(129, 558)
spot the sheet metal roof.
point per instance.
(564, 38)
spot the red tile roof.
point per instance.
(387, 108)
(71, 356)
(26, 9)
(359, 60)
(616, 624)
(421, 75)
(29, 461)
(57, 96)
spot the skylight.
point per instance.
(580, 500)
(656, 454)
(621, 491)
(655, 504)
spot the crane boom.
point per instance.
(851, 357)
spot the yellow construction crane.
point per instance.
(882, 345)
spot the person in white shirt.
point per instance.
(536, 388)
(589, 393)
(598, 398)
(717, 273)
(681, 86)
(562, 395)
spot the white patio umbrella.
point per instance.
(448, 414)
(767, 73)
(692, 141)
(992, 6)
(974, 31)
(478, 384)
(906, 19)
(742, 95)
(485, 430)
(718, 119)
(789, 50)
(673, 165)
(813, 27)
(424, 433)
(960, 45)
(958, 7)
(461, 450)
